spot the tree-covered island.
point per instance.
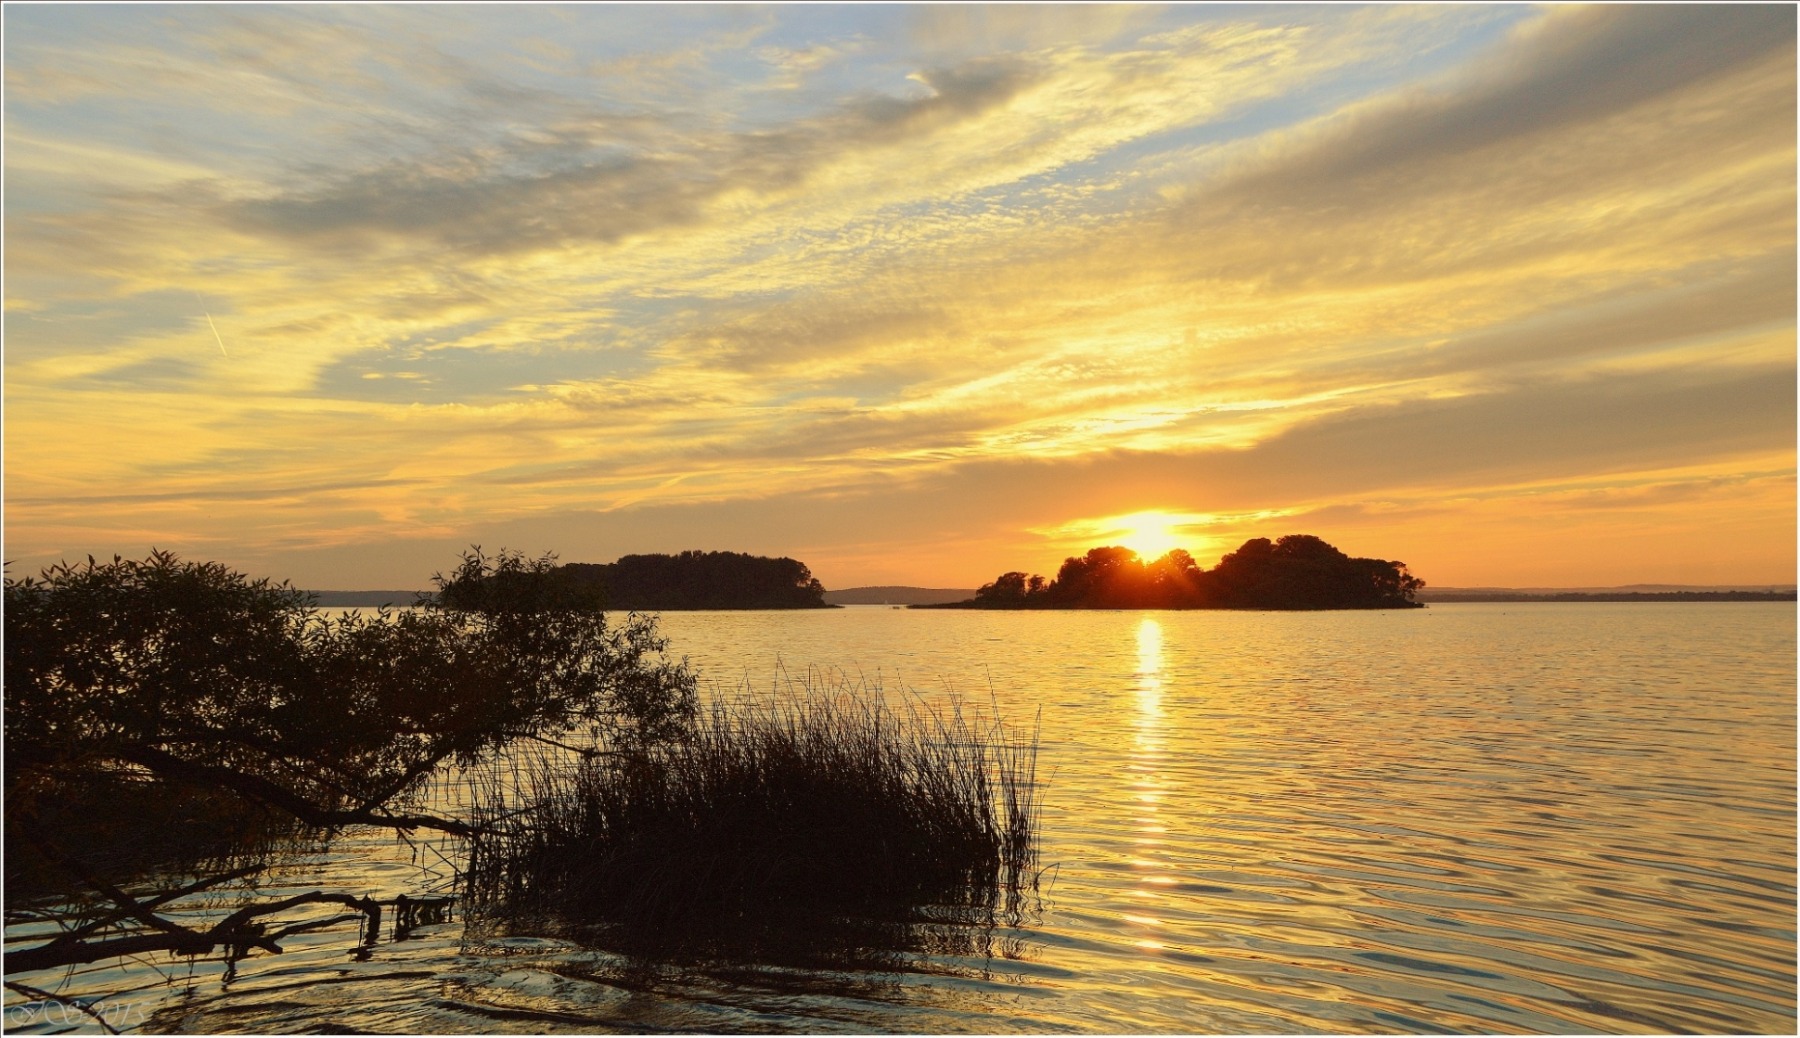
(689, 580)
(1298, 571)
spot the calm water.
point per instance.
(1544, 818)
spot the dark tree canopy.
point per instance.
(199, 674)
(146, 696)
(699, 580)
(1299, 571)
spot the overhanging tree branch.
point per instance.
(263, 791)
(216, 703)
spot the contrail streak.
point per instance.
(209, 323)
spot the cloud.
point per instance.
(1636, 319)
(1573, 68)
(987, 28)
(1532, 431)
(472, 207)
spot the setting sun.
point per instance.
(1150, 534)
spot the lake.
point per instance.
(1471, 817)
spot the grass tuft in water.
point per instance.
(822, 811)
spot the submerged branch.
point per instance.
(238, 932)
(157, 901)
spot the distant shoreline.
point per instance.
(1630, 596)
(929, 597)
(890, 594)
(395, 599)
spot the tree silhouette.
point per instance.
(1298, 571)
(699, 580)
(1007, 589)
(159, 710)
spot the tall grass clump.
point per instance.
(771, 817)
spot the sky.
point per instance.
(914, 294)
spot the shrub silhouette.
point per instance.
(192, 691)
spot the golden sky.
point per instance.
(913, 294)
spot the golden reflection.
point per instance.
(1149, 639)
(1147, 786)
(1149, 671)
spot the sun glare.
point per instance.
(1150, 534)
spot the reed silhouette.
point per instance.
(823, 823)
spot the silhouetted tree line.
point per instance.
(642, 583)
(1299, 571)
(699, 580)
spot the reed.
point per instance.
(774, 815)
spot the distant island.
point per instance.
(661, 583)
(698, 580)
(1298, 571)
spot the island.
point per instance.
(641, 583)
(698, 580)
(1298, 571)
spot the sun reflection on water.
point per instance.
(1148, 682)
(1150, 661)
(1149, 783)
